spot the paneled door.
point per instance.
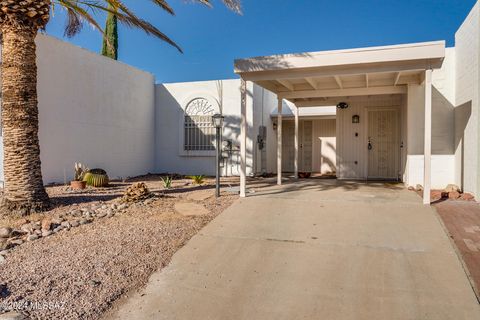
(306, 146)
(305, 141)
(383, 144)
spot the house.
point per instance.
(405, 113)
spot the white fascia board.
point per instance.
(407, 52)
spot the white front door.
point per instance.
(305, 150)
(383, 144)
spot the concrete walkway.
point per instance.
(319, 249)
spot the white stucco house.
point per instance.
(406, 112)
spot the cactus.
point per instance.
(96, 178)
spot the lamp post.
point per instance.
(217, 120)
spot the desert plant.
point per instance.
(110, 38)
(96, 178)
(20, 22)
(200, 179)
(79, 171)
(167, 182)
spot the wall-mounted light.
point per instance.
(356, 119)
(274, 125)
(342, 105)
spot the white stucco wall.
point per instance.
(171, 100)
(443, 127)
(93, 110)
(352, 139)
(466, 111)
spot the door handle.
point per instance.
(370, 145)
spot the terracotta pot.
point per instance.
(78, 185)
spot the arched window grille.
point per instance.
(199, 130)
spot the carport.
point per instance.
(326, 78)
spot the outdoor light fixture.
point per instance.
(356, 119)
(217, 121)
(342, 105)
(274, 126)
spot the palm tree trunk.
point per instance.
(24, 191)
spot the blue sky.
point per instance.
(213, 38)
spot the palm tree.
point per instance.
(20, 21)
(110, 38)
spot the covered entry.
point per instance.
(370, 83)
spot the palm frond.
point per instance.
(80, 11)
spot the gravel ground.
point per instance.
(82, 272)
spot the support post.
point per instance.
(217, 161)
(428, 138)
(296, 144)
(279, 141)
(243, 139)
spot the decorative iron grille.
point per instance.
(199, 133)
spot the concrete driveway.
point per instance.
(318, 249)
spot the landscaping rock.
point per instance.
(46, 234)
(12, 316)
(57, 221)
(74, 223)
(101, 214)
(148, 201)
(136, 192)
(66, 225)
(2, 260)
(16, 242)
(3, 252)
(32, 237)
(467, 197)
(453, 195)
(46, 224)
(190, 209)
(76, 213)
(27, 228)
(84, 221)
(4, 244)
(436, 195)
(58, 229)
(5, 232)
(452, 188)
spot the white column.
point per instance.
(296, 144)
(279, 142)
(428, 138)
(243, 139)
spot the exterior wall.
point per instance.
(443, 127)
(467, 103)
(92, 110)
(171, 100)
(352, 152)
(323, 146)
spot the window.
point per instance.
(199, 131)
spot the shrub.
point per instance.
(198, 179)
(167, 182)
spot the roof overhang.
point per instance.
(310, 76)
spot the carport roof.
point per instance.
(303, 78)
